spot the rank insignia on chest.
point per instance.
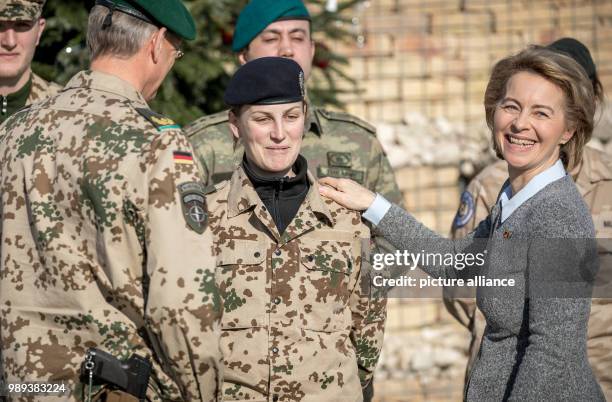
(340, 164)
(193, 204)
(340, 159)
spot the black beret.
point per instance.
(577, 51)
(266, 81)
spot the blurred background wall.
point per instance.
(421, 67)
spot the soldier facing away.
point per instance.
(21, 27)
(299, 322)
(593, 177)
(104, 242)
(335, 144)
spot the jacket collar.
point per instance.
(107, 83)
(312, 124)
(242, 196)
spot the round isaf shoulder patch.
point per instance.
(465, 211)
(193, 204)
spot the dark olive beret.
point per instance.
(258, 14)
(171, 14)
(577, 51)
(266, 81)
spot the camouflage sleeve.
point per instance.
(204, 155)
(381, 178)
(183, 309)
(369, 311)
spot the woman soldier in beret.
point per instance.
(298, 323)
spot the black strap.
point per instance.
(113, 6)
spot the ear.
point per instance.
(233, 124)
(42, 23)
(242, 57)
(155, 44)
(567, 135)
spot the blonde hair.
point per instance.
(565, 73)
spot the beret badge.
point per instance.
(302, 87)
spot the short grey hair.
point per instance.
(122, 39)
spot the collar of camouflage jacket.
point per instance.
(242, 196)
(41, 89)
(596, 166)
(100, 81)
(11, 103)
(312, 120)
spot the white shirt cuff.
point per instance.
(377, 210)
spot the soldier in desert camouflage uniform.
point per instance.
(298, 321)
(104, 241)
(335, 144)
(594, 181)
(20, 29)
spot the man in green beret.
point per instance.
(104, 238)
(335, 144)
(21, 27)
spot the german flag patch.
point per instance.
(183, 158)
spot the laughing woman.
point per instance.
(539, 106)
(297, 323)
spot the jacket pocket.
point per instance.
(241, 278)
(329, 272)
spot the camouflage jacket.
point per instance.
(335, 144)
(298, 323)
(594, 181)
(96, 247)
(41, 89)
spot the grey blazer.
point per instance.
(534, 344)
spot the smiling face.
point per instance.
(271, 134)
(530, 125)
(287, 38)
(18, 41)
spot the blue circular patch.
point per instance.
(465, 211)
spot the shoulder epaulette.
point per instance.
(213, 188)
(206, 121)
(348, 118)
(221, 185)
(159, 121)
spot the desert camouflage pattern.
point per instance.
(20, 10)
(95, 247)
(41, 89)
(335, 144)
(594, 181)
(298, 321)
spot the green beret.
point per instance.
(171, 14)
(258, 14)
